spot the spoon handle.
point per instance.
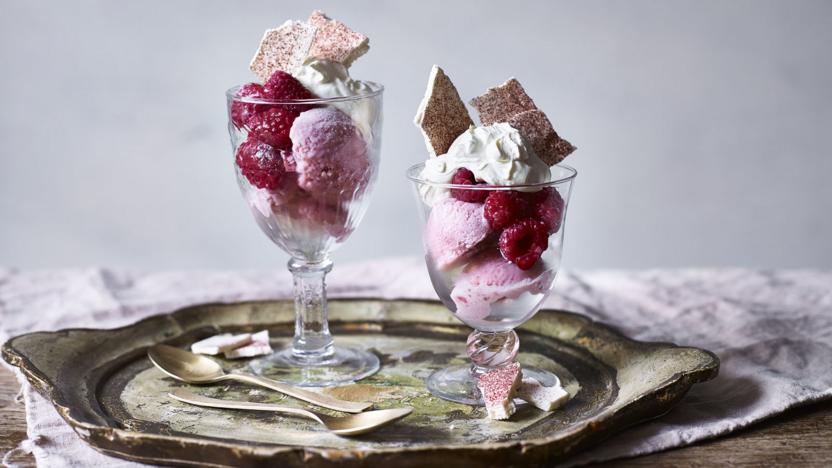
(301, 394)
(199, 400)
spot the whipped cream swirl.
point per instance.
(496, 154)
(329, 79)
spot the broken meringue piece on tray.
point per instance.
(237, 346)
(259, 346)
(542, 397)
(498, 387)
(219, 344)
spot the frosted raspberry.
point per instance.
(282, 85)
(272, 126)
(260, 164)
(241, 111)
(505, 207)
(547, 206)
(463, 176)
(524, 242)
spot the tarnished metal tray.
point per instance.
(103, 385)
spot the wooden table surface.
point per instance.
(801, 437)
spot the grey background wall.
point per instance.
(703, 127)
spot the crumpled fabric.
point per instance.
(771, 329)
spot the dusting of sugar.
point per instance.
(509, 103)
(498, 385)
(335, 41)
(442, 115)
(539, 133)
(502, 102)
(283, 48)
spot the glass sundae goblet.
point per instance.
(306, 168)
(493, 264)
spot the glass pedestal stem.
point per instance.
(312, 341)
(312, 359)
(488, 350)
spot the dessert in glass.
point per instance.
(493, 199)
(306, 146)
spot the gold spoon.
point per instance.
(195, 369)
(352, 424)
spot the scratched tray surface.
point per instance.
(104, 386)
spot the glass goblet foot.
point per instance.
(487, 351)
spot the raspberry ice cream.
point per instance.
(307, 141)
(514, 146)
(491, 195)
(330, 154)
(494, 198)
(454, 229)
(306, 137)
(491, 278)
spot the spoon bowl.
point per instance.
(362, 423)
(349, 425)
(193, 368)
(184, 365)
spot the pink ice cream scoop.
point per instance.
(453, 229)
(490, 278)
(330, 154)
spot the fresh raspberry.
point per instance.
(463, 176)
(272, 126)
(524, 242)
(283, 86)
(505, 207)
(241, 111)
(260, 164)
(547, 206)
